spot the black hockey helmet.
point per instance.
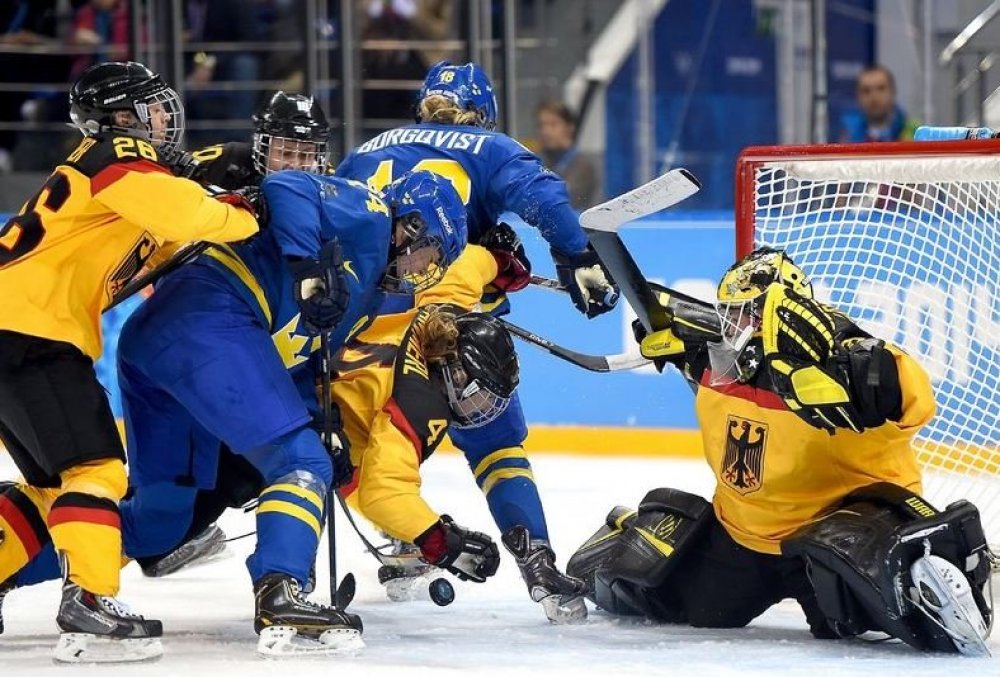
(481, 381)
(291, 130)
(105, 90)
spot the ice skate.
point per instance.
(943, 593)
(208, 546)
(405, 575)
(5, 588)
(100, 629)
(561, 596)
(289, 624)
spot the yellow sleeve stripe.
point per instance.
(291, 510)
(298, 491)
(509, 452)
(505, 474)
(228, 258)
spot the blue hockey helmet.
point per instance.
(466, 85)
(430, 230)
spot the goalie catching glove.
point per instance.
(469, 555)
(587, 280)
(827, 381)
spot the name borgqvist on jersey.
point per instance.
(807, 422)
(96, 221)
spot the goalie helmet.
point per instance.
(467, 86)
(740, 303)
(429, 231)
(482, 377)
(128, 98)
(290, 132)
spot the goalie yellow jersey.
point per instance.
(774, 472)
(95, 223)
(393, 407)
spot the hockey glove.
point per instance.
(339, 447)
(587, 281)
(470, 555)
(800, 352)
(561, 596)
(250, 199)
(320, 289)
(513, 266)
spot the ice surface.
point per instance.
(491, 629)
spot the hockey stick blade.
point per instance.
(664, 191)
(598, 363)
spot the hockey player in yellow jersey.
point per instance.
(94, 224)
(807, 422)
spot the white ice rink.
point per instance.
(491, 629)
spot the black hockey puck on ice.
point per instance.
(441, 592)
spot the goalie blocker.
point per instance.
(882, 560)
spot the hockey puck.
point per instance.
(441, 592)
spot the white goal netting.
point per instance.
(910, 248)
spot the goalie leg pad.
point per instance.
(599, 548)
(860, 558)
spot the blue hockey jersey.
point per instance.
(306, 212)
(492, 172)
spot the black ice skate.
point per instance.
(561, 596)
(207, 546)
(100, 629)
(290, 624)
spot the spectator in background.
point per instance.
(558, 151)
(103, 25)
(428, 20)
(27, 24)
(879, 118)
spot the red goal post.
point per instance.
(905, 237)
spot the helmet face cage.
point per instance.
(737, 357)
(473, 404)
(417, 259)
(272, 153)
(162, 116)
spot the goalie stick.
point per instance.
(598, 363)
(602, 222)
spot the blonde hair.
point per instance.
(437, 334)
(437, 108)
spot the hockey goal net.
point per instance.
(904, 237)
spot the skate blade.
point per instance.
(78, 647)
(278, 641)
(563, 611)
(408, 589)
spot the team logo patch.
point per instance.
(743, 463)
(131, 264)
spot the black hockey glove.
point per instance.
(255, 196)
(561, 596)
(470, 555)
(513, 266)
(587, 280)
(320, 289)
(186, 166)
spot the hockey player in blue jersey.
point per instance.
(220, 354)
(454, 136)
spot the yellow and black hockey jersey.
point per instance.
(95, 223)
(393, 407)
(775, 473)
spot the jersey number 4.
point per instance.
(21, 234)
(449, 169)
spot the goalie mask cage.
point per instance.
(904, 238)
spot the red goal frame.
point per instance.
(753, 157)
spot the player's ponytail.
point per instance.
(436, 108)
(437, 334)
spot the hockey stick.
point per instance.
(598, 363)
(602, 222)
(692, 318)
(137, 284)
